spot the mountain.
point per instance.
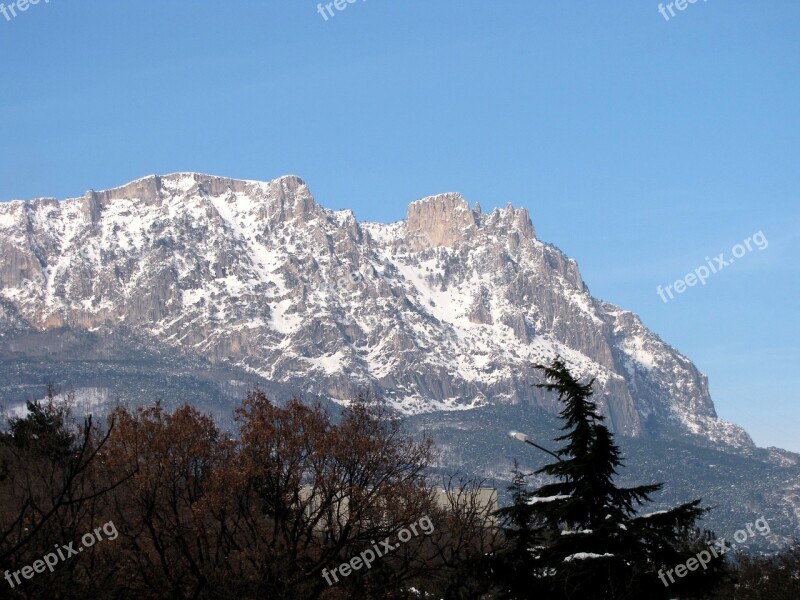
(194, 285)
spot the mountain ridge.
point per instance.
(445, 310)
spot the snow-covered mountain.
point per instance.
(446, 310)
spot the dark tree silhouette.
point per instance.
(580, 537)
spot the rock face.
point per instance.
(447, 310)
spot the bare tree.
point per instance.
(49, 479)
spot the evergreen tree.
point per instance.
(585, 540)
(515, 565)
(46, 429)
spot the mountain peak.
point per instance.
(156, 187)
(440, 220)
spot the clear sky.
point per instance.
(640, 145)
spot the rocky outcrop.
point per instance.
(442, 220)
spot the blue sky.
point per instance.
(639, 145)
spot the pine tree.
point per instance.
(515, 565)
(590, 543)
(45, 429)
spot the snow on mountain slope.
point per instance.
(447, 310)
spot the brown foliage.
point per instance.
(201, 513)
